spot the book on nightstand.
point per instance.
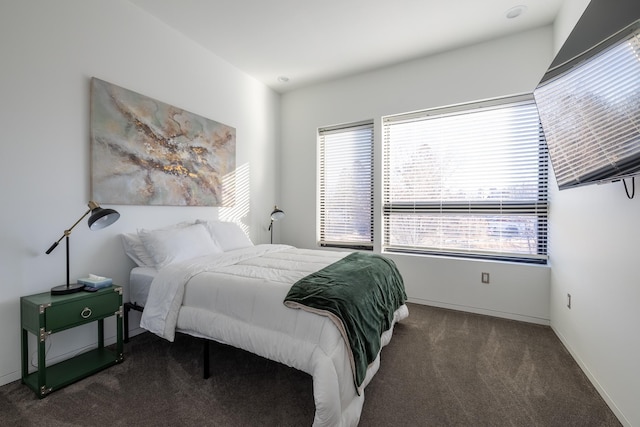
(94, 281)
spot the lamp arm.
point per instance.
(67, 232)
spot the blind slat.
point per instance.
(591, 114)
(346, 185)
(467, 180)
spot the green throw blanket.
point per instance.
(361, 290)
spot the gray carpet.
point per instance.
(442, 368)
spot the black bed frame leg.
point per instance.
(127, 308)
(205, 356)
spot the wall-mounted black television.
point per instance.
(589, 108)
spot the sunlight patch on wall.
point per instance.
(235, 197)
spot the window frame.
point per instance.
(365, 127)
(538, 209)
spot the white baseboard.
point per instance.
(476, 310)
(16, 375)
(9, 378)
(136, 331)
(618, 413)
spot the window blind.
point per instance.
(469, 180)
(346, 185)
(591, 113)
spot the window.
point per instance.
(346, 186)
(469, 180)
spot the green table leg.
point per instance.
(25, 354)
(119, 349)
(42, 372)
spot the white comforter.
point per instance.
(237, 298)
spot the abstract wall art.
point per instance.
(146, 152)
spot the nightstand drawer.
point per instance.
(77, 312)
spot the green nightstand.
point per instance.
(44, 314)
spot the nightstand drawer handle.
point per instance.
(86, 313)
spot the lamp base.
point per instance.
(67, 289)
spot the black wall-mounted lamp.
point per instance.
(99, 219)
(276, 215)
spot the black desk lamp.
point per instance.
(99, 219)
(276, 215)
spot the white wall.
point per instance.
(566, 19)
(498, 68)
(49, 51)
(594, 257)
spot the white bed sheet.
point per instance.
(140, 280)
(240, 302)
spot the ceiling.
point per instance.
(312, 41)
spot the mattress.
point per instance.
(140, 280)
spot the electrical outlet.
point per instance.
(485, 278)
(569, 301)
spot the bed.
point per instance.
(233, 292)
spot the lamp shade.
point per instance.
(101, 218)
(277, 214)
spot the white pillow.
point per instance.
(229, 235)
(178, 244)
(134, 248)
